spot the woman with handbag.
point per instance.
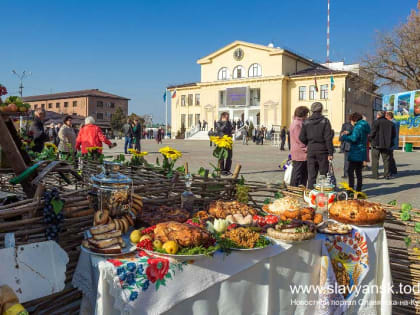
(298, 149)
(345, 147)
(357, 154)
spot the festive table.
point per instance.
(243, 282)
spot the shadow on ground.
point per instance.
(390, 190)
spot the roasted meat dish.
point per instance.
(184, 234)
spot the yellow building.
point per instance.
(264, 84)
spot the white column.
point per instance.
(246, 114)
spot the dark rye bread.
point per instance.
(101, 229)
(105, 236)
(105, 243)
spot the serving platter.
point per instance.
(129, 248)
(180, 257)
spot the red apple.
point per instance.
(417, 110)
(417, 101)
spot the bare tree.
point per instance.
(396, 62)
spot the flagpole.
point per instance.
(166, 113)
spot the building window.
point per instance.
(74, 103)
(50, 105)
(238, 72)
(254, 70)
(100, 104)
(254, 97)
(302, 93)
(324, 91)
(100, 116)
(312, 92)
(183, 120)
(182, 100)
(66, 104)
(190, 99)
(112, 105)
(190, 120)
(43, 106)
(222, 98)
(57, 105)
(36, 106)
(197, 99)
(223, 74)
(197, 119)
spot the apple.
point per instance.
(417, 110)
(417, 101)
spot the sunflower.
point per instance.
(223, 142)
(92, 149)
(50, 145)
(132, 151)
(357, 194)
(170, 153)
(140, 154)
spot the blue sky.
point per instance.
(136, 48)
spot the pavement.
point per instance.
(260, 163)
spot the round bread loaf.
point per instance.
(357, 212)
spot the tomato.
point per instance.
(271, 219)
(259, 220)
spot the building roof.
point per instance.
(270, 49)
(182, 85)
(55, 96)
(316, 71)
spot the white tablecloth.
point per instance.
(258, 286)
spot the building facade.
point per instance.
(95, 103)
(263, 85)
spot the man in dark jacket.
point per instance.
(316, 134)
(37, 130)
(345, 147)
(382, 139)
(282, 138)
(127, 130)
(224, 127)
(137, 134)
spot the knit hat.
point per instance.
(316, 107)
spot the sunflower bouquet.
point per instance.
(137, 157)
(49, 152)
(223, 145)
(356, 194)
(95, 154)
(170, 155)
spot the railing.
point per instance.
(191, 132)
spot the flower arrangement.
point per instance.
(170, 156)
(137, 157)
(94, 154)
(357, 194)
(223, 145)
(50, 145)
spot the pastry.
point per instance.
(184, 234)
(358, 212)
(221, 209)
(294, 231)
(129, 219)
(125, 224)
(335, 228)
(101, 217)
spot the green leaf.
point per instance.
(225, 153)
(180, 169)
(278, 195)
(267, 201)
(58, 205)
(417, 227)
(168, 275)
(241, 180)
(405, 216)
(393, 202)
(407, 241)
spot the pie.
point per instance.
(358, 212)
(154, 215)
(185, 235)
(221, 209)
(295, 231)
(332, 227)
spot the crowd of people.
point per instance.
(312, 147)
(67, 139)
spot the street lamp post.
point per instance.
(21, 76)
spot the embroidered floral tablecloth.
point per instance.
(154, 285)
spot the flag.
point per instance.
(174, 94)
(332, 83)
(316, 85)
(164, 97)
